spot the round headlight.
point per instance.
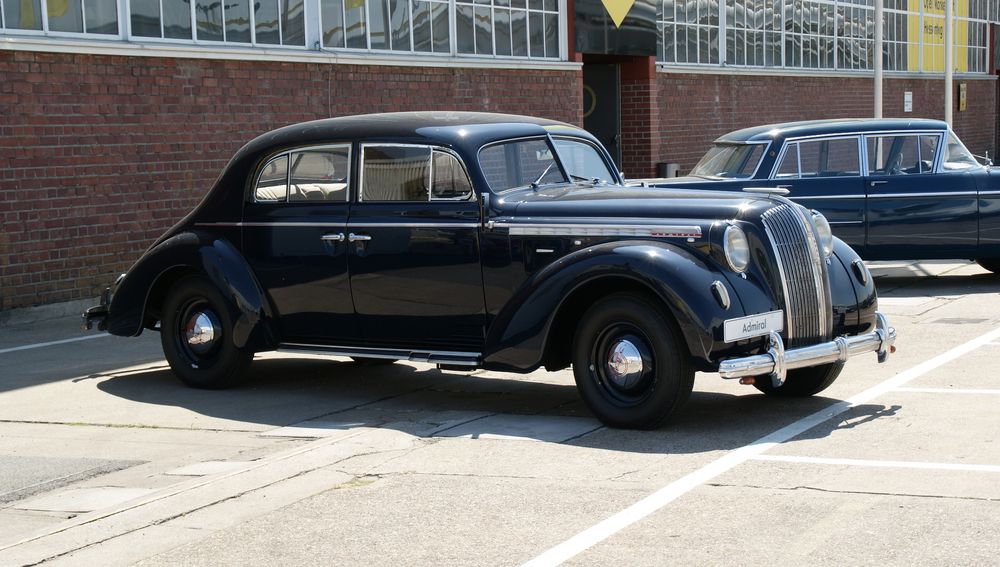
(736, 248)
(823, 232)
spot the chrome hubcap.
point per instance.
(624, 365)
(200, 332)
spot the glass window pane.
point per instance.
(421, 26)
(582, 161)
(484, 31)
(209, 16)
(450, 180)
(399, 18)
(519, 32)
(501, 29)
(146, 18)
(356, 24)
(265, 15)
(464, 29)
(519, 164)
(537, 37)
(332, 16)
(64, 15)
(396, 173)
(377, 24)
(829, 158)
(26, 15)
(273, 182)
(551, 35)
(293, 26)
(439, 27)
(177, 19)
(320, 175)
(102, 16)
(237, 21)
(790, 163)
(956, 157)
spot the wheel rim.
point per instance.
(622, 364)
(199, 331)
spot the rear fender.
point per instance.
(194, 252)
(678, 279)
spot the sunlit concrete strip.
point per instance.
(950, 391)
(53, 343)
(879, 464)
(657, 500)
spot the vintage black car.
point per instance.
(891, 189)
(502, 242)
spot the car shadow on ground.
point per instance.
(281, 392)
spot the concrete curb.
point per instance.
(28, 315)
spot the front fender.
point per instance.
(681, 280)
(205, 254)
(852, 291)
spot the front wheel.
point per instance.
(802, 382)
(991, 264)
(196, 334)
(630, 366)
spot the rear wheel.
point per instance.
(802, 382)
(196, 334)
(991, 264)
(629, 363)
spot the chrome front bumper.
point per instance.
(777, 361)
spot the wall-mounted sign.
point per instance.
(615, 27)
(962, 91)
(908, 101)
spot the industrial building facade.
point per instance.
(116, 115)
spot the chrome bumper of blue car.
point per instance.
(777, 361)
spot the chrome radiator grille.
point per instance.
(802, 271)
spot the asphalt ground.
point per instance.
(105, 459)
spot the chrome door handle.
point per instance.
(351, 237)
(338, 237)
(874, 183)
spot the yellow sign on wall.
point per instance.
(925, 40)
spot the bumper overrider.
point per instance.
(97, 316)
(777, 361)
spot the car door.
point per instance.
(414, 258)
(825, 174)
(294, 237)
(914, 210)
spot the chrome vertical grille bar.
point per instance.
(803, 278)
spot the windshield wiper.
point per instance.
(534, 184)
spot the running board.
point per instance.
(450, 358)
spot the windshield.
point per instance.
(582, 161)
(956, 157)
(733, 161)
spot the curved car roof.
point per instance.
(770, 132)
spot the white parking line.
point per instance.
(949, 391)
(657, 500)
(51, 343)
(879, 464)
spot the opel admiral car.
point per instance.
(891, 189)
(502, 242)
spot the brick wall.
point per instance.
(696, 109)
(100, 154)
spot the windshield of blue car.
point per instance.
(582, 161)
(956, 157)
(730, 161)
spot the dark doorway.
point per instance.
(602, 106)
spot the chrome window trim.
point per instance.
(288, 174)
(430, 169)
(817, 138)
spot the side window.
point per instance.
(272, 186)
(789, 166)
(898, 155)
(829, 158)
(396, 173)
(449, 179)
(320, 174)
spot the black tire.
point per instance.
(373, 361)
(802, 382)
(215, 364)
(643, 397)
(991, 264)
